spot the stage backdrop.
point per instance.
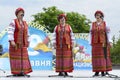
(42, 53)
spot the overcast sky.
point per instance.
(110, 8)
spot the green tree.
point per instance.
(115, 52)
(78, 22)
(48, 18)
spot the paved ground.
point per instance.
(43, 75)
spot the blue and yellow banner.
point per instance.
(42, 53)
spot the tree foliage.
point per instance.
(48, 18)
(115, 51)
(78, 22)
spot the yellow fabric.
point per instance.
(5, 55)
(43, 47)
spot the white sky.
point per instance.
(110, 8)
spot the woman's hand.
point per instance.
(111, 44)
(54, 45)
(28, 44)
(12, 43)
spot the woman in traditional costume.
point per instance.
(63, 40)
(101, 43)
(18, 39)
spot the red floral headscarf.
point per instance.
(61, 16)
(18, 10)
(99, 12)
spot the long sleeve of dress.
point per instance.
(90, 33)
(72, 36)
(53, 41)
(108, 34)
(28, 36)
(11, 29)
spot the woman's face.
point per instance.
(20, 15)
(62, 20)
(98, 16)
